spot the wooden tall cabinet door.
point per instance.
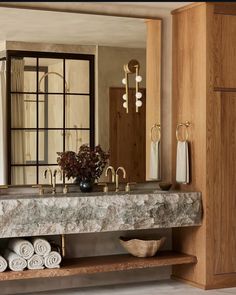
(127, 134)
(225, 51)
(225, 202)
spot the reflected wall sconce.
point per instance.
(132, 67)
(53, 73)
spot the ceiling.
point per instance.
(76, 28)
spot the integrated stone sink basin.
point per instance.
(29, 214)
(16, 192)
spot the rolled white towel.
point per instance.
(21, 247)
(3, 264)
(15, 262)
(35, 262)
(52, 260)
(41, 246)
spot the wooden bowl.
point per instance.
(142, 248)
(165, 186)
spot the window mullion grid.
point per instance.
(64, 110)
(37, 120)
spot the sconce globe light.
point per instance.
(138, 79)
(138, 95)
(132, 67)
(125, 96)
(138, 103)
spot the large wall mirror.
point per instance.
(61, 87)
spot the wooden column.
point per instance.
(153, 82)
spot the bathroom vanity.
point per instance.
(29, 214)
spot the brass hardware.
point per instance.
(157, 129)
(48, 170)
(110, 168)
(54, 73)
(186, 125)
(54, 183)
(127, 92)
(127, 187)
(132, 67)
(3, 186)
(65, 189)
(117, 176)
(105, 188)
(40, 187)
(63, 246)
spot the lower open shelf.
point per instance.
(99, 264)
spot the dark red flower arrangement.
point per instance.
(88, 163)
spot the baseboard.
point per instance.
(194, 284)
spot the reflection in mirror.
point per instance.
(55, 105)
(50, 114)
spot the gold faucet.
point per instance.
(46, 171)
(117, 176)
(55, 179)
(110, 168)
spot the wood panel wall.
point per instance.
(204, 92)
(189, 103)
(153, 82)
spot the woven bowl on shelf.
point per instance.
(142, 248)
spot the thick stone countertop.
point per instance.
(33, 215)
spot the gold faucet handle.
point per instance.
(127, 187)
(65, 189)
(40, 187)
(3, 186)
(105, 186)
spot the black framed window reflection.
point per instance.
(50, 102)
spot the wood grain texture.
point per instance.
(127, 135)
(228, 8)
(100, 264)
(204, 49)
(153, 82)
(189, 103)
(225, 217)
(186, 7)
(220, 196)
(225, 55)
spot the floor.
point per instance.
(153, 288)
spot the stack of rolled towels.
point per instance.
(36, 253)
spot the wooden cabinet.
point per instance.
(153, 83)
(225, 207)
(225, 51)
(204, 92)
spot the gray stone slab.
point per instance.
(32, 215)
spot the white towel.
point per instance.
(154, 172)
(41, 246)
(21, 247)
(52, 260)
(182, 162)
(15, 262)
(3, 264)
(35, 262)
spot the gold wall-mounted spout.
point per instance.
(45, 173)
(54, 183)
(117, 176)
(113, 173)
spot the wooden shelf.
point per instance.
(99, 264)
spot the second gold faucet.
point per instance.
(115, 175)
(53, 178)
